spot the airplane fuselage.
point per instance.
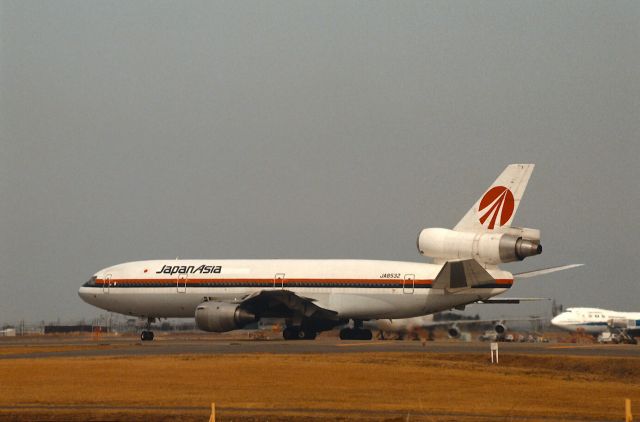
(355, 289)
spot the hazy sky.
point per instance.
(140, 130)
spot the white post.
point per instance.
(212, 418)
(494, 348)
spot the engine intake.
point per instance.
(500, 328)
(454, 332)
(488, 248)
(221, 316)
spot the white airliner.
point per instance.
(317, 295)
(596, 321)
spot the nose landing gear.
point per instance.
(147, 334)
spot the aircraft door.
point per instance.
(106, 284)
(182, 283)
(409, 283)
(278, 281)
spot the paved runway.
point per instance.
(46, 347)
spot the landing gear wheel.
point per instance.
(310, 335)
(290, 333)
(345, 334)
(297, 333)
(349, 334)
(146, 335)
(365, 335)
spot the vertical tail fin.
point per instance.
(498, 205)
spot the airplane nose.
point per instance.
(87, 290)
(556, 320)
(84, 294)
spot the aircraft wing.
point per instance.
(409, 324)
(284, 303)
(545, 271)
(477, 321)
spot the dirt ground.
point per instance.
(358, 386)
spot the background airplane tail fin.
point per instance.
(498, 204)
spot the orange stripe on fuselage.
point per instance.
(262, 280)
(172, 281)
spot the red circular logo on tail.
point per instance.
(498, 201)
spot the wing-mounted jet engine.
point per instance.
(499, 328)
(222, 316)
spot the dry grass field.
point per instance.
(359, 386)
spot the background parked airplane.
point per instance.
(625, 326)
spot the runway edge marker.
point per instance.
(212, 418)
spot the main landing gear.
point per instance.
(298, 333)
(147, 334)
(356, 333)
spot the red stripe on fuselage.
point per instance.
(285, 281)
(172, 281)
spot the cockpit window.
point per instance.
(91, 282)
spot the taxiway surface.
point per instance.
(45, 347)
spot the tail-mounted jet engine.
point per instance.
(220, 317)
(508, 245)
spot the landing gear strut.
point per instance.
(356, 333)
(147, 334)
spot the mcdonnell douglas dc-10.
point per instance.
(318, 295)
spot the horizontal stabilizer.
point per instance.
(462, 275)
(545, 271)
(512, 300)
